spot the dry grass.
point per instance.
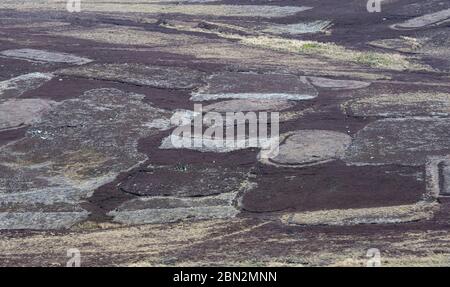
(405, 104)
(391, 61)
(152, 7)
(331, 51)
(91, 238)
(222, 243)
(391, 214)
(129, 36)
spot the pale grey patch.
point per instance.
(153, 216)
(299, 28)
(265, 10)
(15, 87)
(204, 144)
(232, 85)
(44, 184)
(183, 202)
(252, 96)
(51, 195)
(424, 21)
(40, 220)
(404, 141)
(248, 105)
(80, 145)
(399, 105)
(159, 124)
(307, 147)
(44, 56)
(337, 84)
(15, 113)
(137, 74)
(172, 209)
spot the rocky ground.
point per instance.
(87, 98)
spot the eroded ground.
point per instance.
(87, 98)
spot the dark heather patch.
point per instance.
(183, 180)
(333, 186)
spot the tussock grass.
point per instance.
(388, 61)
(392, 214)
(391, 61)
